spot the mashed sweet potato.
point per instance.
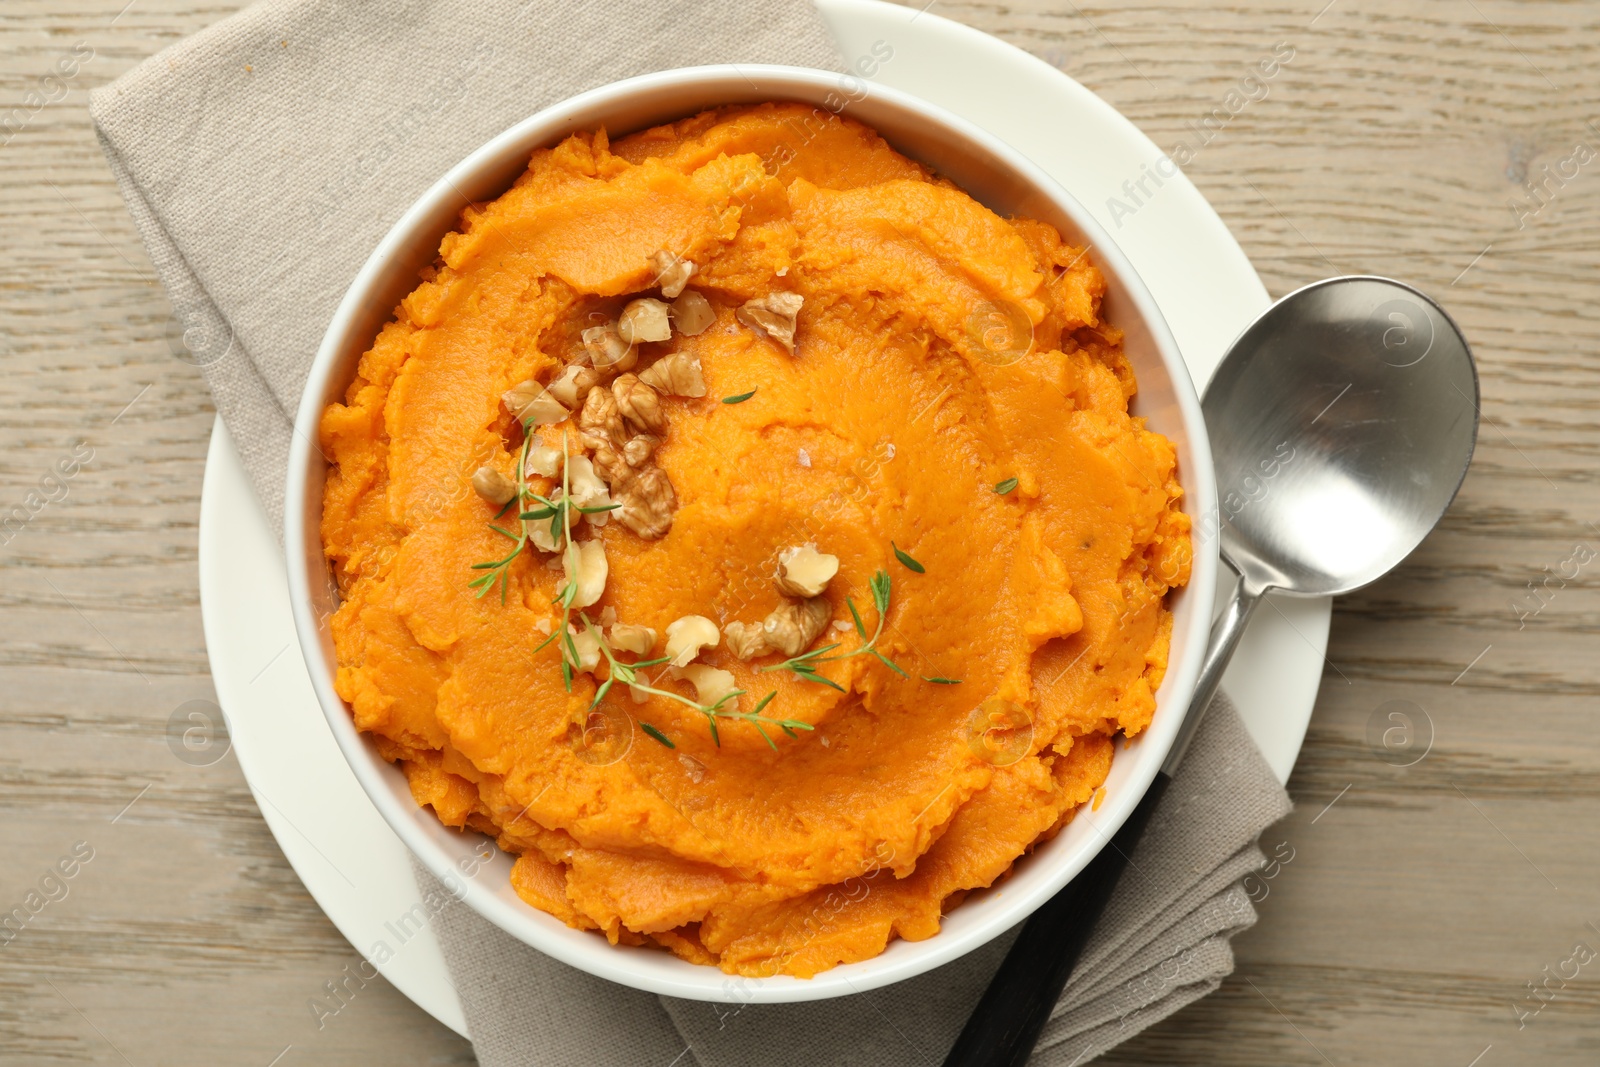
(952, 393)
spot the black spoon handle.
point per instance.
(1006, 1023)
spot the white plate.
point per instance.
(339, 845)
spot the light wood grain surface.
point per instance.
(1421, 911)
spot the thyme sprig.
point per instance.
(804, 666)
(568, 589)
(499, 570)
(556, 512)
(628, 674)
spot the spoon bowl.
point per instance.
(1342, 423)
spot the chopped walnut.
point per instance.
(600, 422)
(542, 538)
(644, 319)
(746, 640)
(687, 636)
(585, 564)
(607, 350)
(677, 374)
(711, 684)
(636, 639)
(805, 572)
(608, 616)
(692, 767)
(543, 461)
(692, 313)
(573, 385)
(639, 404)
(612, 467)
(792, 627)
(648, 502)
(672, 272)
(493, 486)
(774, 316)
(532, 404)
(588, 491)
(639, 449)
(588, 648)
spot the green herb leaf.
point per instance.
(1006, 486)
(740, 399)
(856, 615)
(880, 595)
(891, 664)
(657, 734)
(942, 681)
(910, 563)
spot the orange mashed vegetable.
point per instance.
(895, 420)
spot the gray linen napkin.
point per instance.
(265, 157)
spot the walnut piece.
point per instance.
(672, 272)
(648, 502)
(588, 491)
(804, 572)
(639, 404)
(746, 640)
(644, 319)
(607, 350)
(711, 684)
(600, 421)
(677, 374)
(584, 563)
(612, 468)
(773, 315)
(687, 636)
(792, 627)
(588, 648)
(533, 405)
(544, 540)
(692, 767)
(493, 486)
(573, 385)
(692, 314)
(636, 639)
(639, 449)
(543, 461)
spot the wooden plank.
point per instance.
(1417, 907)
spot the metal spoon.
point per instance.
(1341, 422)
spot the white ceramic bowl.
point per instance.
(991, 172)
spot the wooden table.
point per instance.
(1426, 907)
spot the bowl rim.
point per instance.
(582, 949)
